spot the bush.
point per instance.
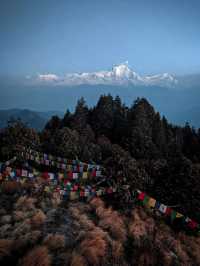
(38, 219)
(54, 241)
(38, 256)
(5, 248)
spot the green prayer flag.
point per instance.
(173, 215)
(146, 199)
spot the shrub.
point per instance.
(78, 260)
(18, 216)
(38, 219)
(25, 203)
(93, 248)
(112, 222)
(10, 187)
(38, 256)
(5, 248)
(54, 241)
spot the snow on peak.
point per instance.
(48, 77)
(120, 74)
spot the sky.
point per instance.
(61, 36)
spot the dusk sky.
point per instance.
(49, 36)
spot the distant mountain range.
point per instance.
(33, 119)
(176, 97)
(120, 74)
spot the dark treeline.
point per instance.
(135, 143)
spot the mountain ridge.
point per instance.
(34, 119)
(120, 74)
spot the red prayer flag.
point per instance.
(109, 190)
(141, 196)
(82, 193)
(192, 224)
(168, 211)
(18, 172)
(70, 174)
(45, 175)
(94, 173)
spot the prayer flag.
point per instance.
(85, 175)
(162, 208)
(179, 215)
(151, 203)
(173, 215)
(24, 173)
(145, 200)
(192, 224)
(168, 211)
(141, 196)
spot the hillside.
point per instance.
(54, 214)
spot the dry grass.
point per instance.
(146, 259)
(25, 203)
(21, 229)
(93, 248)
(139, 229)
(78, 260)
(101, 237)
(18, 216)
(83, 220)
(54, 241)
(191, 245)
(5, 248)
(32, 237)
(55, 200)
(10, 187)
(38, 256)
(117, 249)
(110, 220)
(38, 219)
(96, 203)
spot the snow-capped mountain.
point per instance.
(120, 74)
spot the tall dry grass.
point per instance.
(54, 242)
(6, 246)
(38, 219)
(10, 187)
(93, 247)
(110, 220)
(39, 256)
(25, 203)
(78, 260)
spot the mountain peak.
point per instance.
(122, 70)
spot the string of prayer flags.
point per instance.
(167, 211)
(94, 169)
(56, 183)
(48, 159)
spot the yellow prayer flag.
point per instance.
(85, 175)
(47, 189)
(151, 203)
(22, 180)
(73, 195)
(69, 167)
(61, 176)
(179, 215)
(99, 192)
